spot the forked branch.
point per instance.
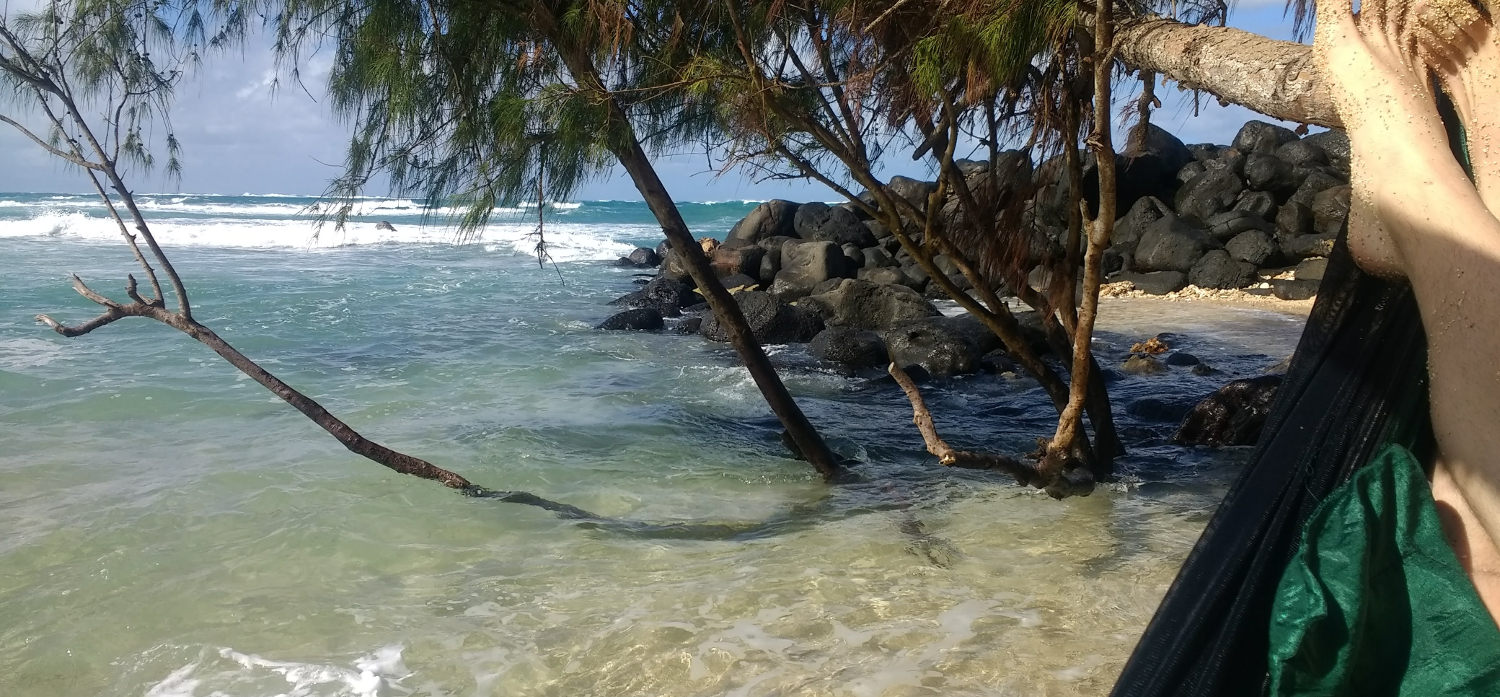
(1025, 474)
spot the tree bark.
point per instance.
(1276, 78)
(626, 148)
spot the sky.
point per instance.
(243, 131)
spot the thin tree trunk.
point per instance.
(1099, 229)
(626, 148)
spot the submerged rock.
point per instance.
(1234, 415)
(641, 319)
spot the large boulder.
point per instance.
(1155, 282)
(836, 224)
(771, 320)
(769, 219)
(1259, 136)
(914, 191)
(1267, 172)
(866, 305)
(1261, 203)
(1294, 218)
(1335, 145)
(1305, 246)
(937, 346)
(1218, 270)
(1330, 209)
(742, 259)
(1252, 246)
(849, 347)
(642, 319)
(665, 294)
(1302, 152)
(640, 258)
(1234, 415)
(1214, 191)
(1224, 226)
(805, 264)
(1170, 244)
(1142, 214)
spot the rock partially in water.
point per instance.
(1143, 365)
(1234, 415)
(867, 305)
(770, 320)
(641, 319)
(849, 347)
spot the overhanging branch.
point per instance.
(1276, 78)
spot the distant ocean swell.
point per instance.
(575, 231)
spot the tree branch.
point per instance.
(55, 151)
(1276, 78)
(1025, 474)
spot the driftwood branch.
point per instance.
(1025, 474)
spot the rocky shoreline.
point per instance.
(1251, 223)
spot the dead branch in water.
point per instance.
(1025, 474)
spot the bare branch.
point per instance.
(108, 317)
(1025, 474)
(54, 150)
(89, 293)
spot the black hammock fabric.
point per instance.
(1358, 373)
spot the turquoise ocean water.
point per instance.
(169, 529)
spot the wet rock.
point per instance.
(938, 347)
(641, 319)
(836, 224)
(644, 256)
(1157, 410)
(771, 320)
(739, 282)
(1234, 415)
(664, 294)
(1182, 359)
(1217, 270)
(1143, 365)
(770, 219)
(690, 325)
(1262, 137)
(1254, 247)
(866, 305)
(849, 347)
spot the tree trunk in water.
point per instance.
(1276, 78)
(627, 149)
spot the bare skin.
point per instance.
(1416, 214)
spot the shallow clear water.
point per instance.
(172, 530)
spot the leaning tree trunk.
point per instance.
(1276, 78)
(626, 147)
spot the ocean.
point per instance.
(170, 529)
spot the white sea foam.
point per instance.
(566, 241)
(237, 674)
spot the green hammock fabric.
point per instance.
(1375, 602)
